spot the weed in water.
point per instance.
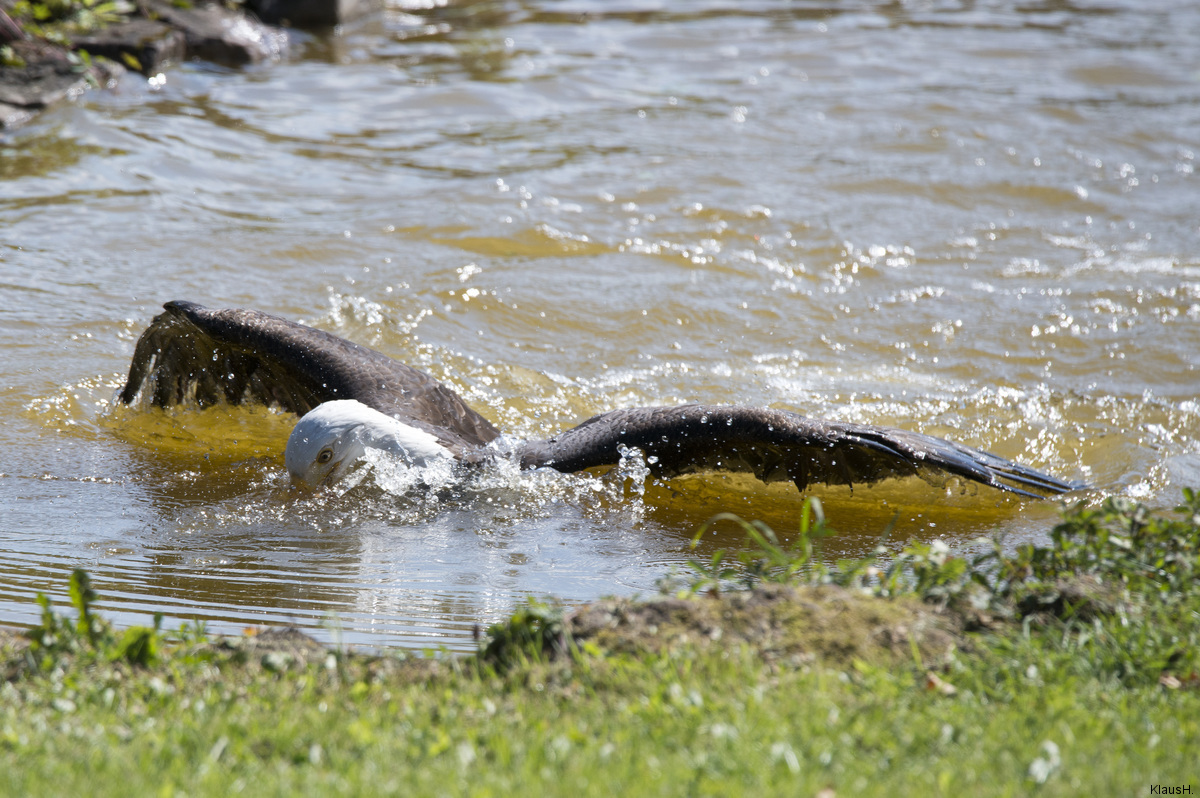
(90, 636)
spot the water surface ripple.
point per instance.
(974, 219)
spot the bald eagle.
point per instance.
(351, 399)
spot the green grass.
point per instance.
(1066, 669)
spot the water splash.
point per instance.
(633, 467)
(397, 476)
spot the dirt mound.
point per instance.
(782, 623)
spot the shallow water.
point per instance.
(974, 219)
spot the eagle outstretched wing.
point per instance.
(194, 353)
(775, 446)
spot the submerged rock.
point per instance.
(167, 32)
(42, 83)
(47, 74)
(215, 33)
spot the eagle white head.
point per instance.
(333, 436)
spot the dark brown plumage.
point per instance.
(193, 353)
(776, 446)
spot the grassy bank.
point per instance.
(1060, 669)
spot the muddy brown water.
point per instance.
(974, 219)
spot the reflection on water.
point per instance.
(977, 220)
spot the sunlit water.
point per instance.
(974, 219)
